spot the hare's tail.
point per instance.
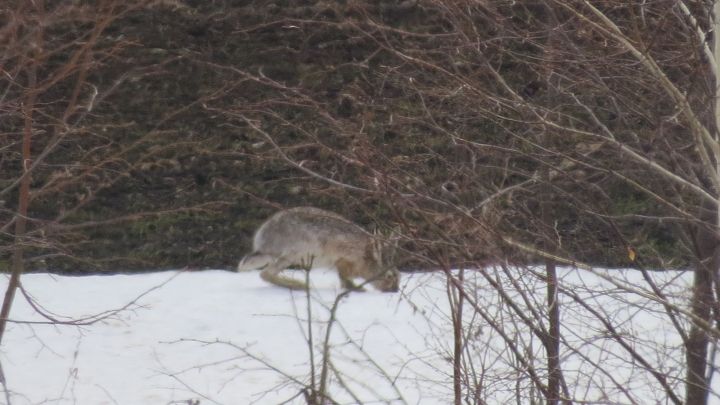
(254, 261)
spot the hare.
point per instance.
(304, 235)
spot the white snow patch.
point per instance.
(230, 338)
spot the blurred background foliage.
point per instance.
(189, 182)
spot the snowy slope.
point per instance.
(229, 338)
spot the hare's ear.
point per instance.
(377, 245)
(394, 236)
(385, 244)
(392, 243)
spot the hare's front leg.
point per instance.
(346, 271)
(271, 274)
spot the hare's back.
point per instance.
(304, 229)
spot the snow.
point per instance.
(229, 338)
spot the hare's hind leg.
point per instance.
(254, 261)
(272, 275)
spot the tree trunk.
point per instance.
(702, 301)
(18, 265)
(552, 345)
(707, 247)
(18, 262)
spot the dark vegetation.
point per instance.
(181, 180)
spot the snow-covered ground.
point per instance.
(228, 338)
